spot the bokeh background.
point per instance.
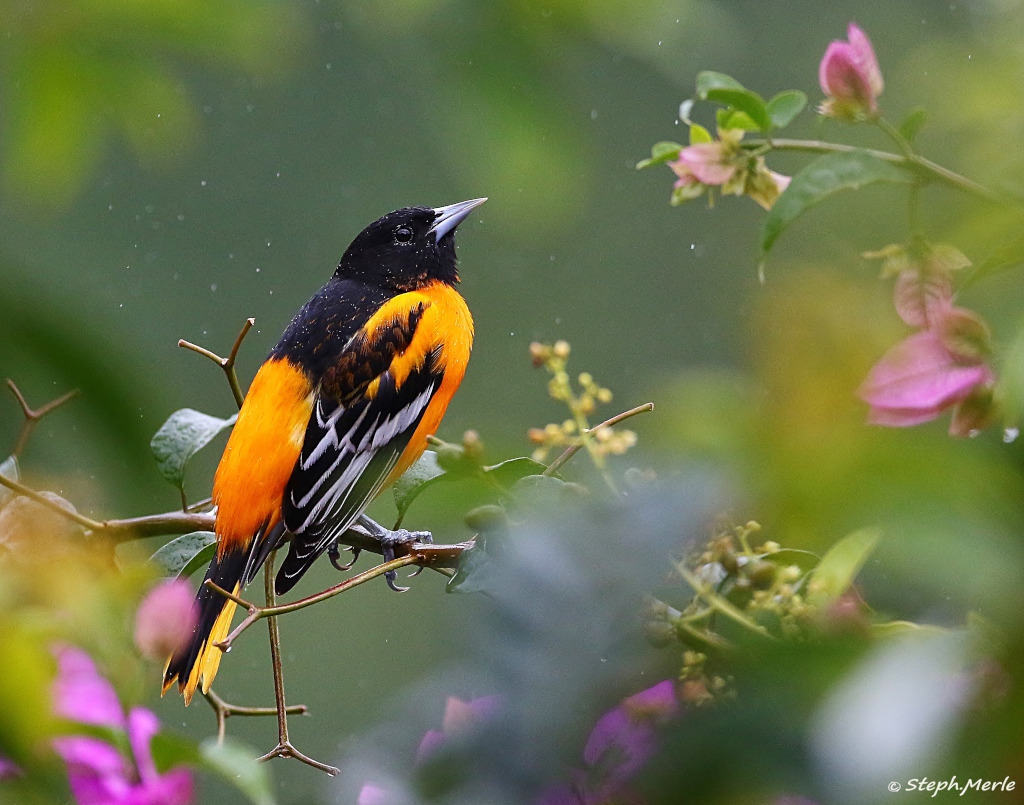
(168, 169)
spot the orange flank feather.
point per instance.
(261, 454)
(447, 326)
(247, 491)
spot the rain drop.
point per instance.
(1010, 434)
(213, 286)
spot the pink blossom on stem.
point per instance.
(165, 619)
(918, 379)
(706, 163)
(851, 78)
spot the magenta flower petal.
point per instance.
(81, 694)
(624, 738)
(165, 619)
(97, 773)
(917, 379)
(9, 770)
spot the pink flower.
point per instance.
(81, 694)
(9, 770)
(851, 78)
(100, 775)
(459, 718)
(165, 619)
(706, 163)
(919, 378)
(98, 772)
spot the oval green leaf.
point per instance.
(184, 434)
(418, 477)
(822, 178)
(785, 106)
(840, 565)
(186, 554)
(660, 152)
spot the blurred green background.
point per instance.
(168, 169)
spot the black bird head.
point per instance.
(407, 248)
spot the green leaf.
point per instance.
(735, 119)
(708, 80)
(183, 435)
(475, 571)
(785, 106)
(726, 90)
(9, 469)
(418, 477)
(234, 763)
(699, 134)
(912, 123)
(840, 565)
(186, 554)
(822, 178)
(509, 472)
(535, 494)
(660, 152)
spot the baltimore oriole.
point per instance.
(341, 408)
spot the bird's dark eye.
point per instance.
(403, 234)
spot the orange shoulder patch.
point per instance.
(261, 453)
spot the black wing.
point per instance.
(353, 441)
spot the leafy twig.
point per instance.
(573, 449)
(228, 363)
(21, 489)
(33, 415)
(923, 167)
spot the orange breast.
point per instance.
(261, 453)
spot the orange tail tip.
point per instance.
(196, 663)
(204, 668)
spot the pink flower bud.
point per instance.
(851, 78)
(706, 163)
(165, 619)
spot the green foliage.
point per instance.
(837, 569)
(661, 153)
(822, 178)
(785, 106)
(427, 471)
(184, 434)
(726, 90)
(184, 555)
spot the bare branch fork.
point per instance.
(33, 415)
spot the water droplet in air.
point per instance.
(1010, 434)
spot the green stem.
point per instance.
(718, 602)
(923, 167)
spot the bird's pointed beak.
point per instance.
(447, 218)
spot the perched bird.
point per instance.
(341, 408)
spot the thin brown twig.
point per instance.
(33, 415)
(284, 746)
(573, 449)
(21, 489)
(255, 613)
(224, 710)
(228, 363)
